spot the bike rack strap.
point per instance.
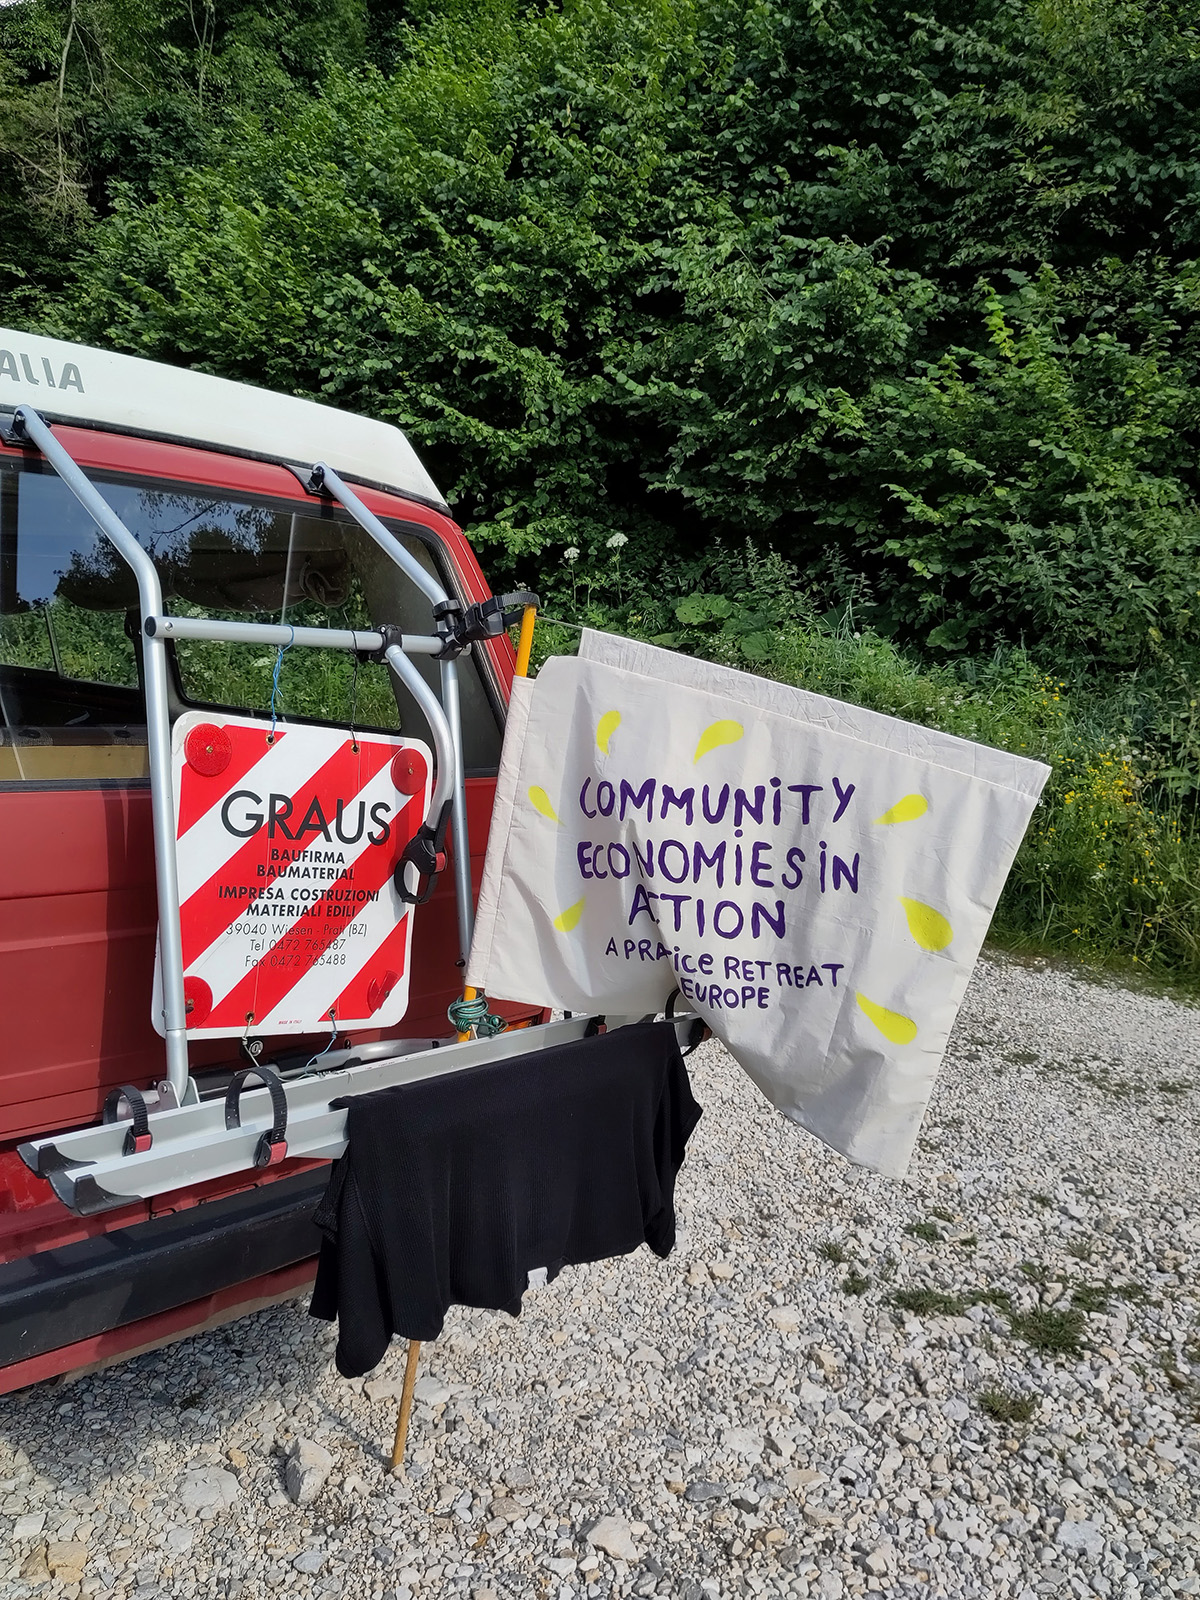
(139, 1139)
(272, 1147)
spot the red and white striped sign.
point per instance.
(286, 850)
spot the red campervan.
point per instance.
(163, 534)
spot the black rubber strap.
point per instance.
(138, 1139)
(697, 1034)
(699, 1030)
(272, 1147)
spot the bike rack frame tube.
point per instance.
(158, 738)
(281, 634)
(448, 766)
(325, 477)
(462, 842)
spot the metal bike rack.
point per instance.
(92, 1171)
(454, 630)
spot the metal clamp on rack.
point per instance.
(272, 1147)
(461, 626)
(426, 851)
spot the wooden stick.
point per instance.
(406, 1400)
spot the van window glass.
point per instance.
(65, 594)
(70, 707)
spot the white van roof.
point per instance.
(74, 383)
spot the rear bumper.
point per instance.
(71, 1295)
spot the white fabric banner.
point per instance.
(816, 879)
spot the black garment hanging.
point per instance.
(453, 1189)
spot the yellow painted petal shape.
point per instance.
(717, 733)
(566, 920)
(541, 802)
(900, 1030)
(605, 728)
(927, 926)
(906, 810)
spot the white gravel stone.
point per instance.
(208, 1489)
(746, 1442)
(1085, 1536)
(307, 1470)
(614, 1536)
(432, 1392)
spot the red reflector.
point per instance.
(379, 988)
(408, 771)
(208, 750)
(198, 1000)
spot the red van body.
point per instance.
(77, 939)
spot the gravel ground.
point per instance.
(982, 1381)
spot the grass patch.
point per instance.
(930, 1302)
(1090, 1297)
(855, 1282)
(1042, 1200)
(1003, 1405)
(833, 1252)
(1000, 1298)
(929, 1231)
(926, 1302)
(969, 1242)
(1054, 1332)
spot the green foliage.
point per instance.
(94, 92)
(1003, 1405)
(929, 1303)
(327, 685)
(928, 1231)
(79, 642)
(1054, 1332)
(687, 270)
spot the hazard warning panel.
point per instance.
(286, 849)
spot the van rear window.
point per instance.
(70, 702)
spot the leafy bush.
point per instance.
(909, 298)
